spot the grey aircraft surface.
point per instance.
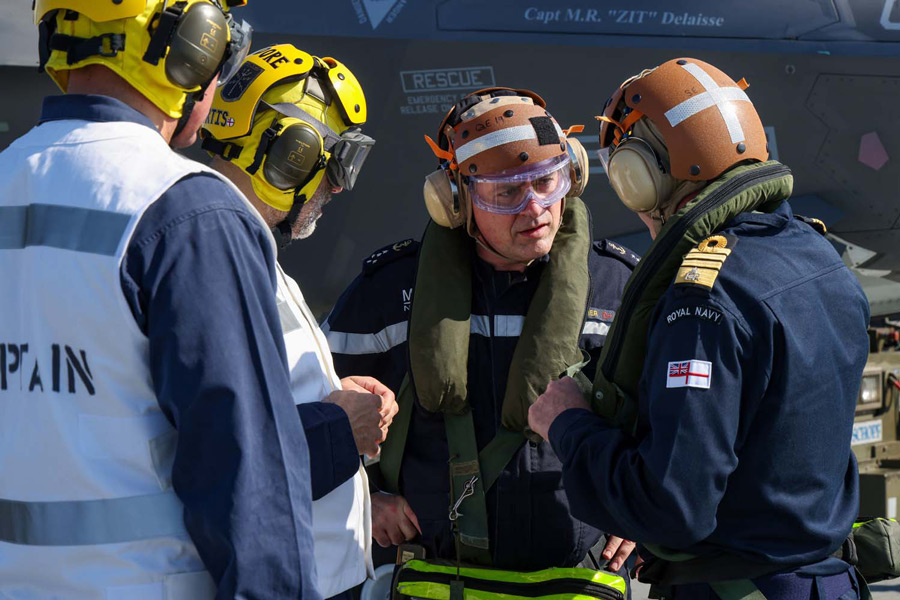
(824, 75)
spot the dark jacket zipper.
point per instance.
(526, 590)
(660, 253)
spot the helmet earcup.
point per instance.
(293, 157)
(197, 47)
(578, 164)
(637, 176)
(442, 200)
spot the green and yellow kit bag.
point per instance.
(439, 580)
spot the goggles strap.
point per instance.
(78, 49)
(265, 141)
(292, 110)
(226, 150)
(162, 37)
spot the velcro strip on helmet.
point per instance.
(546, 131)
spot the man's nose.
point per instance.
(533, 207)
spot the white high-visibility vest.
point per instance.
(342, 521)
(87, 509)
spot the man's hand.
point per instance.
(616, 551)
(560, 396)
(389, 407)
(393, 521)
(364, 412)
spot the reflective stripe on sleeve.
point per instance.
(64, 227)
(366, 343)
(393, 335)
(91, 522)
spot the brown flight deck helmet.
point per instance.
(706, 122)
(489, 132)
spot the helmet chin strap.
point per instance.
(284, 229)
(190, 101)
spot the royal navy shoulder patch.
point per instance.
(389, 253)
(702, 264)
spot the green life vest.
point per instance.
(756, 187)
(439, 329)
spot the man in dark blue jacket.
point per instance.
(736, 359)
(504, 202)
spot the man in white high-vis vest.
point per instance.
(289, 137)
(149, 447)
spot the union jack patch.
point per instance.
(689, 373)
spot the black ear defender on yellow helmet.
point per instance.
(196, 38)
(521, 133)
(288, 119)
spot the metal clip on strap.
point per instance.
(468, 490)
(226, 150)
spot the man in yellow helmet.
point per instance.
(286, 131)
(148, 443)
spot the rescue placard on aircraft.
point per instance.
(866, 432)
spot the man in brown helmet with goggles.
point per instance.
(508, 290)
(724, 398)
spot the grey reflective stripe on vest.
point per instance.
(289, 320)
(393, 335)
(91, 522)
(65, 227)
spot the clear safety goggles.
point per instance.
(238, 48)
(546, 182)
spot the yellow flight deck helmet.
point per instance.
(287, 119)
(166, 49)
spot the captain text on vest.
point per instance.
(286, 131)
(509, 288)
(728, 385)
(148, 442)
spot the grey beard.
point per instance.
(310, 213)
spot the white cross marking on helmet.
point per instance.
(714, 95)
(494, 139)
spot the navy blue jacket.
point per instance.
(197, 277)
(530, 524)
(747, 401)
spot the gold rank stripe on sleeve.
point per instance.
(702, 264)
